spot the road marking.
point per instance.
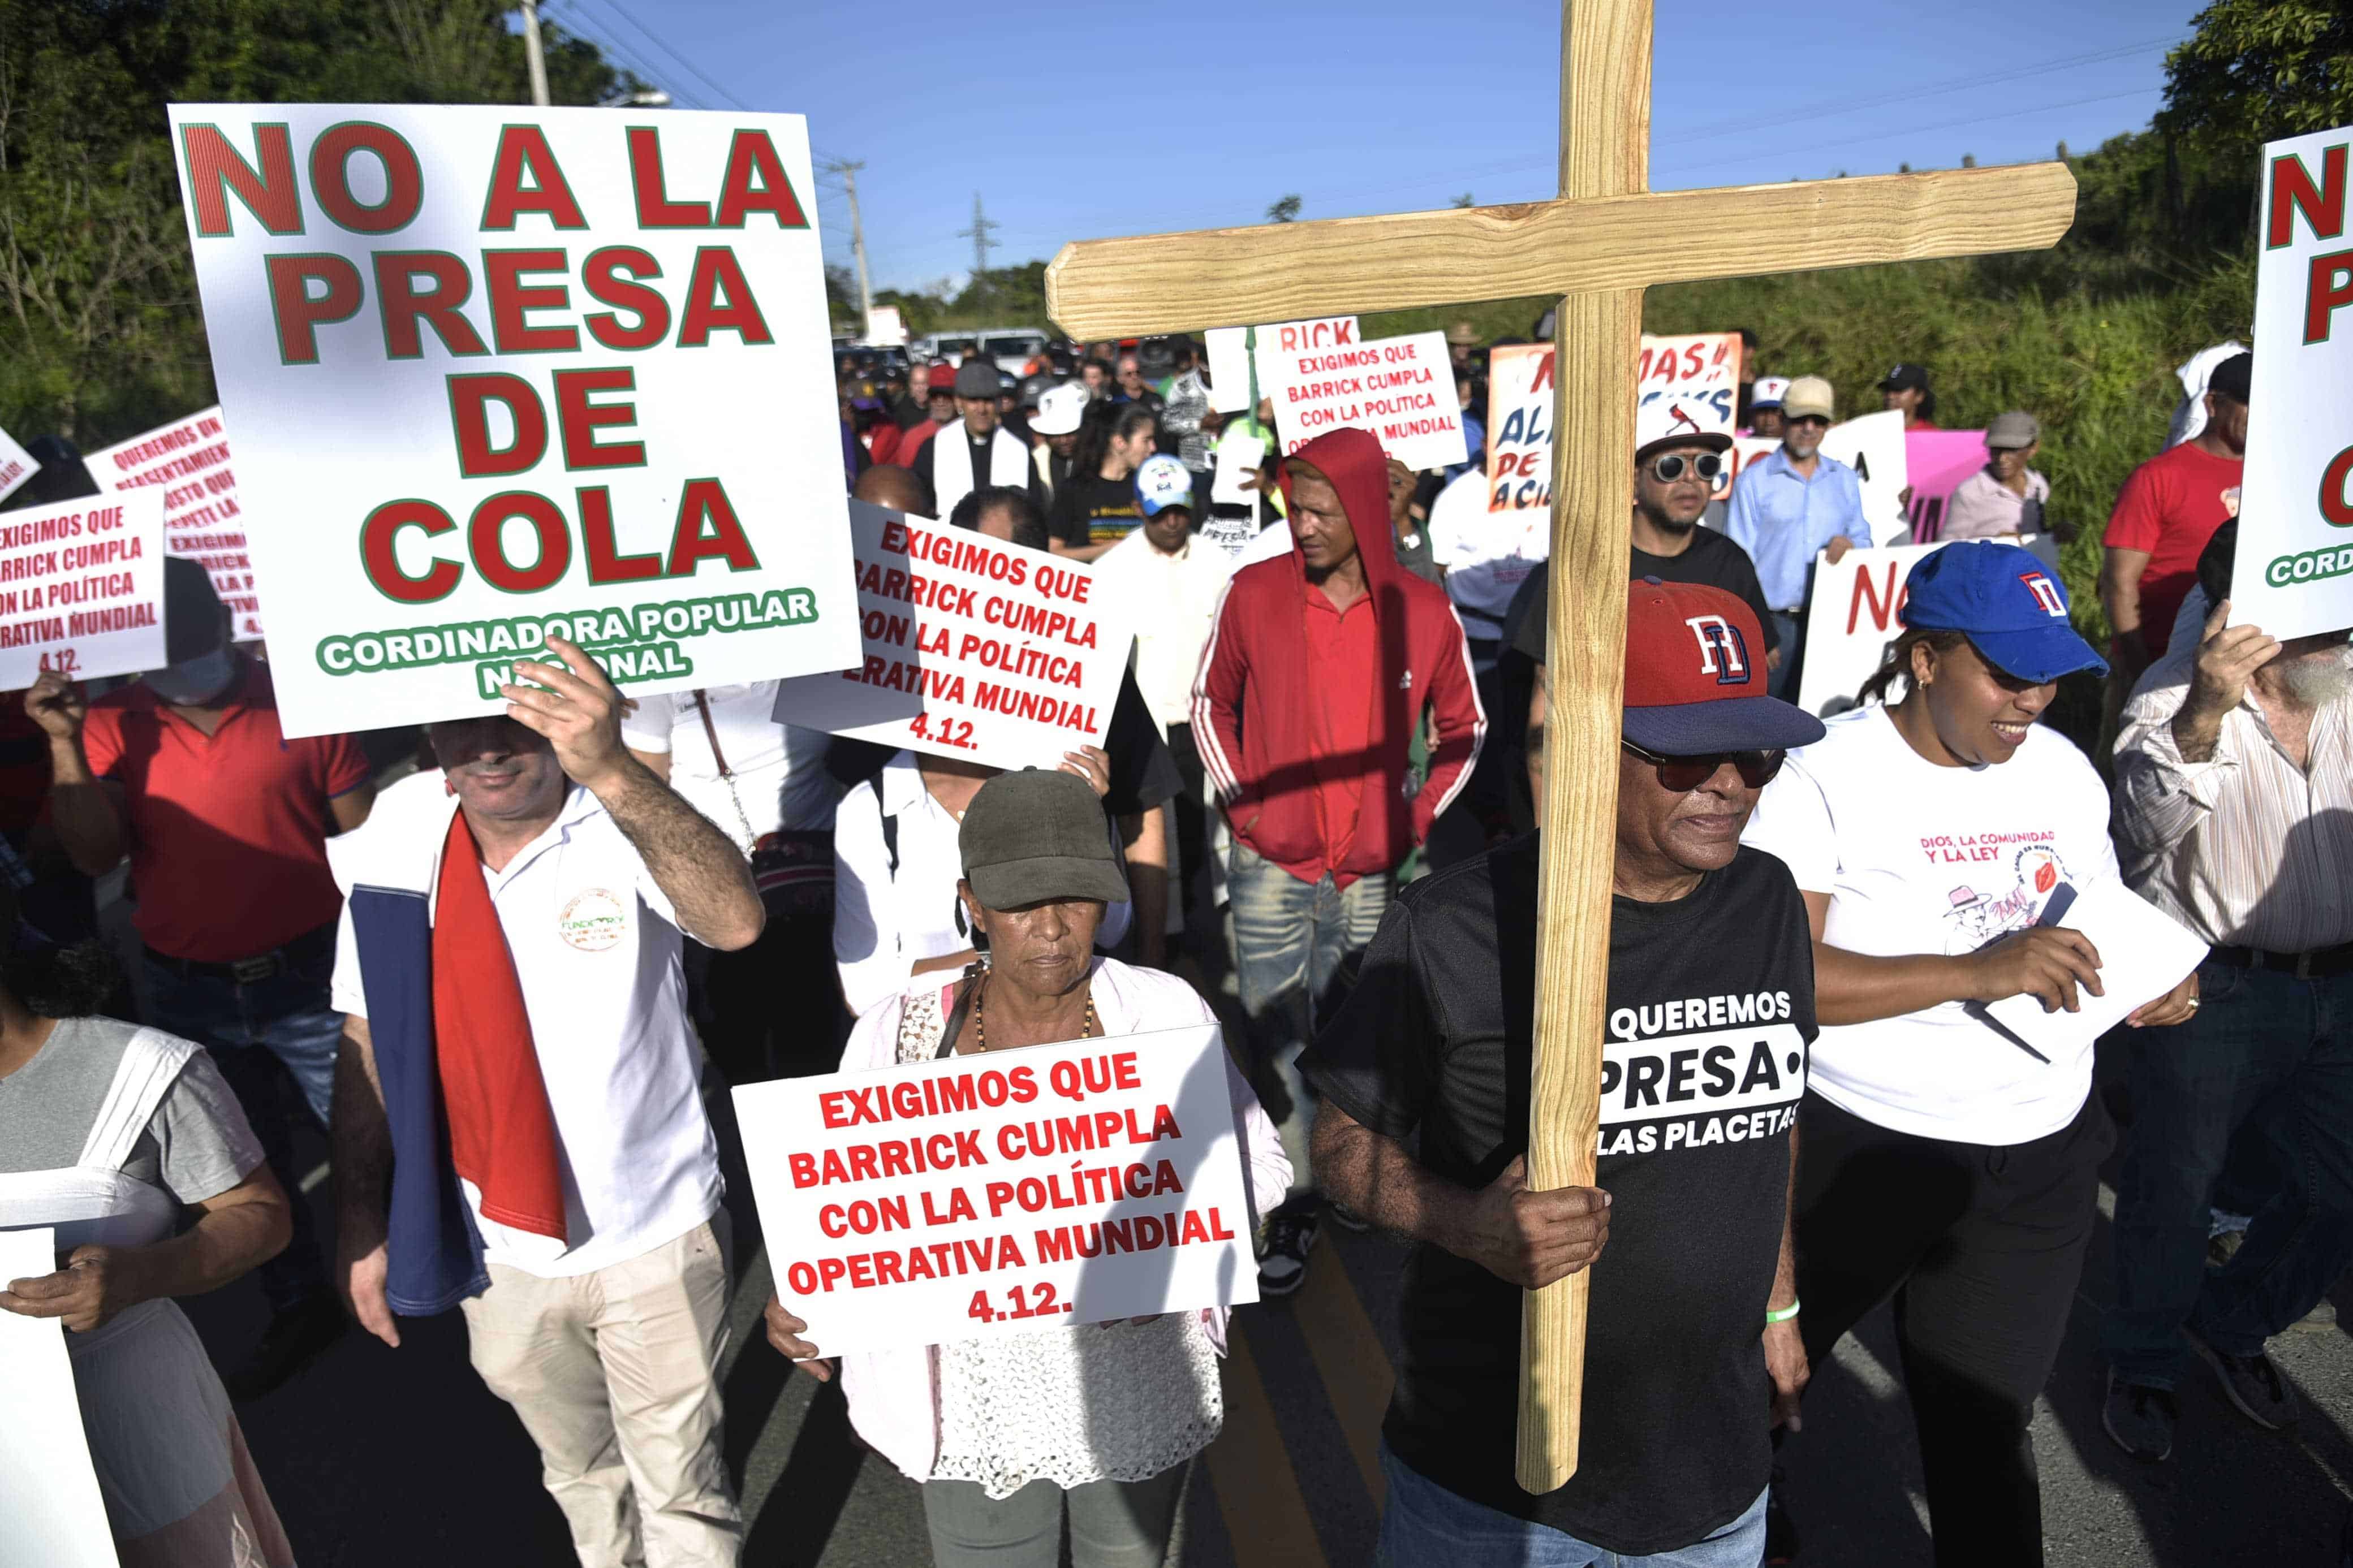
(1358, 1378)
(1258, 1491)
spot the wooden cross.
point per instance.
(1596, 246)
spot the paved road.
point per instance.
(387, 1459)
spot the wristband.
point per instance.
(1784, 1315)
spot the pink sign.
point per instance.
(1936, 462)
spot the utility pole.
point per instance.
(537, 56)
(848, 173)
(978, 234)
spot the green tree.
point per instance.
(1284, 210)
(2259, 69)
(99, 333)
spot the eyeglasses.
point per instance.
(1668, 466)
(1683, 774)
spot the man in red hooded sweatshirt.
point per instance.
(1320, 665)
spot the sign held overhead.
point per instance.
(498, 374)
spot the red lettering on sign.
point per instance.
(524, 149)
(214, 168)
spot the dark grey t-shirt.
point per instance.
(198, 1144)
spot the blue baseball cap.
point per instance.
(2012, 607)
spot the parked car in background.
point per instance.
(1011, 349)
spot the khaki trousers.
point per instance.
(615, 1376)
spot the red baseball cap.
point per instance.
(940, 377)
(1695, 674)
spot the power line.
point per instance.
(1821, 109)
(1827, 107)
(688, 66)
(636, 63)
(1938, 125)
(816, 154)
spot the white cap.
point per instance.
(1162, 482)
(1665, 419)
(1767, 390)
(1060, 409)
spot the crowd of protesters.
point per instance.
(502, 981)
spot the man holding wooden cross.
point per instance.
(1598, 246)
(1710, 1016)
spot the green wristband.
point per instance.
(1784, 1315)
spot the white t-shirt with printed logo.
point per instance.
(1921, 858)
(597, 948)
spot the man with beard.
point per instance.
(1790, 506)
(1322, 666)
(1677, 471)
(2235, 810)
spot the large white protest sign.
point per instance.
(1229, 354)
(981, 1196)
(501, 374)
(1400, 389)
(187, 462)
(1519, 428)
(1853, 616)
(81, 588)
(17, 465)
(51, 1515)
(2295, 563)
(970, 646)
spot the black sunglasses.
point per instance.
(1683, 774)
(1668, 466)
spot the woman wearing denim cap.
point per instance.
(1938, 839)
(1005, 1431)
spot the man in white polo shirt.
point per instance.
(518, 1129)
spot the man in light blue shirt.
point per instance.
(1790, 506)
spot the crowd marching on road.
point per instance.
(553, 932)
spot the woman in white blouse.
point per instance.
(1939, 841)
(1005, 1433)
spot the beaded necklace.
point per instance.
(980, 1025)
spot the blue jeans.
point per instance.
(1427, 1526)
(1290, 939)
(2265, 1045)
(1792, 633)
(252, 1030)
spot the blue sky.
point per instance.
(1079, 121)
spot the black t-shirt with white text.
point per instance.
(1711, 1015)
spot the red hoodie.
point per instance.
(1261, 696)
